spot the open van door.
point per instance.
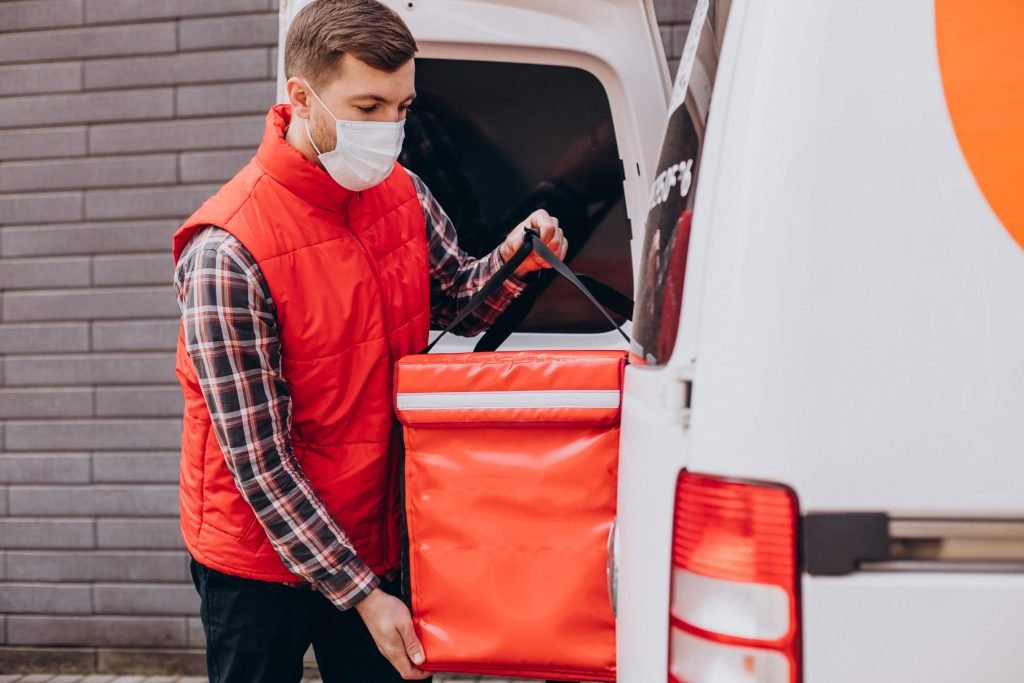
(527, 105)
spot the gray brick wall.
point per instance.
(673, 20)
(117, 119)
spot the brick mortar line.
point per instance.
(66, 288)
(93, 486)
(101, 158)
(170, 554)
(144, 21)
(29, 388)
(214, 118)
(169, 384)
(136, 87)
(153, 119)
(177, 92)
(185, 83)
(157, 118)
(70, 290)
(54, 354)
(180, 152)
(104, 188)
(99, 288)
(44, 93)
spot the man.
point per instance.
(300, 283)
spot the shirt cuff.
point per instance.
(350, 585)
(514, 284)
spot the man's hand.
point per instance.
(390, 624)
(550, 234)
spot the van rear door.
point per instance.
(526, 105)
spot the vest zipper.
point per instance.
(380, 287)
(391, 474)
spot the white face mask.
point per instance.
(365, 151)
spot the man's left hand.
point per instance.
(550, 234)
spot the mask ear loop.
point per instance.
(309, 133)
(310, 136)
(313, 92)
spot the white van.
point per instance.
(822, 463)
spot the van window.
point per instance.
(667, 229)
(495, 141)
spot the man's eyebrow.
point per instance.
(378, 98)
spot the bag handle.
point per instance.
(531, 243)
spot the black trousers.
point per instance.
(258, 632)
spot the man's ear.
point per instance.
(298, 96)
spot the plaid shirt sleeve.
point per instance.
(455, 276)
(230, 327)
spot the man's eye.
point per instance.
(367, 110)
(405, 107)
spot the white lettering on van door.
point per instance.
(680, 174)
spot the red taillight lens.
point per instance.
(735, 612)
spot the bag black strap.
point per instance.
(610, 298)
(531, 243)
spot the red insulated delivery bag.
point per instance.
(511, 463)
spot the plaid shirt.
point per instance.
(231, 334)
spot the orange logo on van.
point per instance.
(981, 57)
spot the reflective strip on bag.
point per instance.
(496, 400)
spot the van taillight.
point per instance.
(734, 612)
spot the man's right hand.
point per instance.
(390, 624)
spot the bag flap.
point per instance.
(505, 387)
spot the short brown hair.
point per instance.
(324, 30)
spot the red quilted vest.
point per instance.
(348, 274)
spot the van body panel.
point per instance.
(941, 628)
(851, 326)
(861, 336)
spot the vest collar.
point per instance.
(295, 172)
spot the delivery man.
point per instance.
(300, 283)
